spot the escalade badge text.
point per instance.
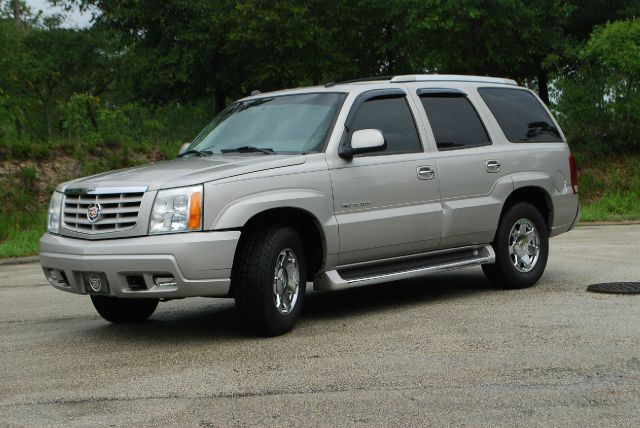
(94, 212)
(356, 204)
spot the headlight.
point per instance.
(177, 210)
(53, 219)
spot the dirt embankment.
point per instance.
(40, 177)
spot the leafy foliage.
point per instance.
(196, 51)
(600, 101)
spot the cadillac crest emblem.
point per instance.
(94, 212)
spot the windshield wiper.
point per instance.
(249, 149)
(200, 153)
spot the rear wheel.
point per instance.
(122, 311)
(269, 280)
(522, 248)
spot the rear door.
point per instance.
(473, 175)
(387, 203)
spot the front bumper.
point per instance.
(200, 263)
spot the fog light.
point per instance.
(164, 280)
(58, 277)
(136, 282)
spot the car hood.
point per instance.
(185, 171)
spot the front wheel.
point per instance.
(522, 248)
(269, 280)
(123, 311)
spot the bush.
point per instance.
(7, 120)
(114, 127)
(78, 114)
(28, 175)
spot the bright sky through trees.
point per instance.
(74, 18)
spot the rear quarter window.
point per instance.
(520, 115)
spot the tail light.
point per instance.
(574, 173)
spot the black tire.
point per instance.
(123, 311)
(503, 273)
(253, 279)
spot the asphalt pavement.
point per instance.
(445, 350)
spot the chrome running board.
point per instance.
(340, 278)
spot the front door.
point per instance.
(387, 204)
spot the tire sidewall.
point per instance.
(278, 322)
(513, 277)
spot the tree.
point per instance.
(13, 66)
(502, 37)
(600, 97)
(64, 61)
(528, 41)
(173, 50)
(187, 50)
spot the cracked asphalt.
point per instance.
(439, 351)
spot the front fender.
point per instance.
(232, 205)
(239, 212)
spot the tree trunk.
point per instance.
(19, 128)
(543, 86)
(47, 113)
(219, 101)
(92, 116)
(391, 67)
(17, 13)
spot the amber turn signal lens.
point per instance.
(195, 212)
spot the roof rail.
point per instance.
(450, 78)
(364, 79)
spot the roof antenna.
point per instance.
(255, 92)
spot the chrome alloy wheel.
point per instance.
(524, 245)
(286, 281)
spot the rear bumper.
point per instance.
(566, 213)
(575, 220)
(200, 263)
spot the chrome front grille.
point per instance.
(118, 211)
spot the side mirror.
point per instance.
(183, 148)
(364, 141)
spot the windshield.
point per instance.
(280, 124)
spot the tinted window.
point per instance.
(520, 115)
(393, 117)
(454, 121)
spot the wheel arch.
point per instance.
(536, 196)
(303, 222)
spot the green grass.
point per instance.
(611, 208)
(21, 240)
(609, 188)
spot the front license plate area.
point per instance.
(96, 283)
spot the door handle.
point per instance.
(426, 173)
(492, 166)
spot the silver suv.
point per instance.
(340, 185)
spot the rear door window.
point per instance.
(520, 115)
(453, 119)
